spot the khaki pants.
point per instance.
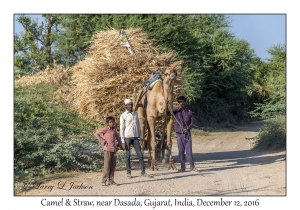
(109, 166)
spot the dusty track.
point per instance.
(226, 164)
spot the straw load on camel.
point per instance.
(112, 72)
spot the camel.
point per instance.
(153, 101)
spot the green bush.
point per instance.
(49, 137)
(273, 134)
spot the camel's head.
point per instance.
(170, 74)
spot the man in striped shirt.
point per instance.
(130, 133)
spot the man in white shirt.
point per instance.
(130, 133)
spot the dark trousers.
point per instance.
(109, 166)
(135, 142)
(184, 142)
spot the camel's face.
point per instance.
(170, 74)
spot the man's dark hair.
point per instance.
(181, 98)
(109, 118)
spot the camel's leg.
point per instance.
(167, 141)
(143, 125)
(158, 150)
(163, 148)
(168, 154)
(151, 132)
(163, 138)
(149, 147)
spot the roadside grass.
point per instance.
(272, 135)
(200, 132)
(50, 138)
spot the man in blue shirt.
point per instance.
(182, 126)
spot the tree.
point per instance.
(273, 108)
(33, 48)
(275, 85)
(226, 65)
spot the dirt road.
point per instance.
(226, 164)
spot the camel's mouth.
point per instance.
(173, 75)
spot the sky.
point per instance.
(262, 31)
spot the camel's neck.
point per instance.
(167, 90)
(158, 89)
(159, 97)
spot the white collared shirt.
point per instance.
(129, 125)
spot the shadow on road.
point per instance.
(235, 159)
(228, 160)
(232, 159)
(238, 159)
(240, 154)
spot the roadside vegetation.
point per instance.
(272, 135)
(51, 138)
(273, 108)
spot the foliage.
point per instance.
(274, 85)
(49, 137)
(33, 48)
(273, 134)
(257, 91)
(273, 107)
(226, 66)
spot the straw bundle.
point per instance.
(109, 73)
(58, 75)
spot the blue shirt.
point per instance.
(184, 117)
